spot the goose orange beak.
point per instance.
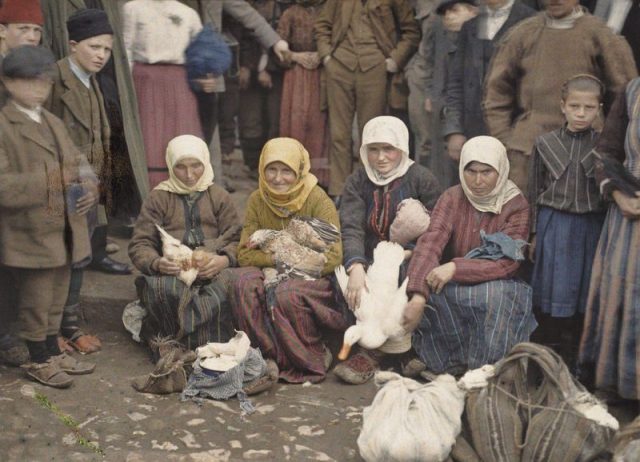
(344, 352)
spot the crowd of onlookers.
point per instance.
(513, 123)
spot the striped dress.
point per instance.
(611, 338)
(567, 214)
(483, 311)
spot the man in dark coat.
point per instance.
(463, 113)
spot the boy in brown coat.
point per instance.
(76, 98)
(46, 188)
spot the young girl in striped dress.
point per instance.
(567, 213)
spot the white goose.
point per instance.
(379, 316)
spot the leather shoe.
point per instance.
(108, 265)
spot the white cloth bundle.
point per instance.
(410, 421)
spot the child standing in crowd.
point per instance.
(301, 116)
(567, 212)
(41, 233)
(77, 100)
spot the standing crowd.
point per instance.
(515, 131)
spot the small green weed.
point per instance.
(69, 422)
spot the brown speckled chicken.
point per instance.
(298, 250)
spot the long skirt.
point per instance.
(292, 333)
(611, 336)
(468, 326)
(193, 316)
(302, 119)
(565, 247)
(167, 108)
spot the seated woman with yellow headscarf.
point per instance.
(290, 331)
(201, 215)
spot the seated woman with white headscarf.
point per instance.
(466, 311)
(201, 215)
(368, 211)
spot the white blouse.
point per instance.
(158, 31)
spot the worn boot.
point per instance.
(264, 382)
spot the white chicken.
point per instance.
(379, 316)
(179, 253)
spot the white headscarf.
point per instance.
(490, 151)
(183, 147)
(390, 130)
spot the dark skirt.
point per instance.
(468, 326)
(193, 316)
(167, 108)
(611, 335)
(292, 334)
(565, 247)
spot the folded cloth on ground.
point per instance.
(496, 246)
(223, 384)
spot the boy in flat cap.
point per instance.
(21, 24)
(46, 189)
(76, 98)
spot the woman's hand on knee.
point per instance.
(440, 276)
(165, 266)
(213, 266)
(357, 282)
(413, 311)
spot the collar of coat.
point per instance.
(20, 119)
(74, 98)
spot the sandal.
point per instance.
(85, 343)
(72, 366)
(49, 374)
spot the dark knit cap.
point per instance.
(27, 62)
(84, 24)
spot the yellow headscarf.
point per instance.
(183, 147)
(490, 151)
(291, 153)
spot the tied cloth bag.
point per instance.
(410, 421)
(533, 409)
(222, 369)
